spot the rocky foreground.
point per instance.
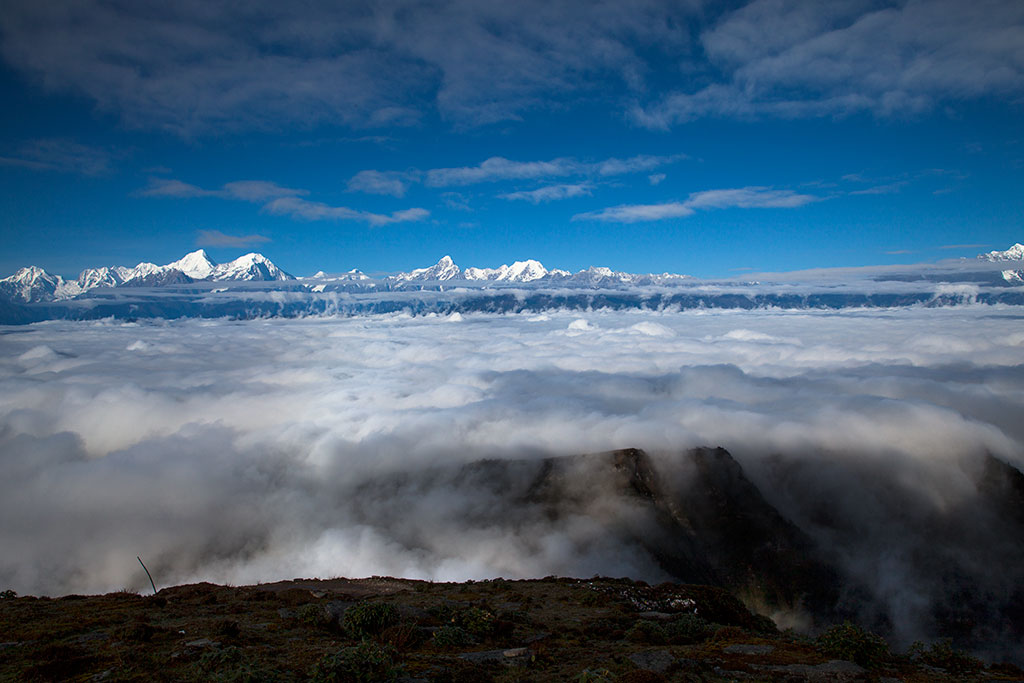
(383, 629)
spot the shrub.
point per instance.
(401, 636)
(595, 676)
(450, 636)
(232, 665)
(368, 618)
(8, 595)
(688, 628)
(942, 655)
(314, 614)
(364, 663)
(649, 632)
(479, 623)
(851, 642)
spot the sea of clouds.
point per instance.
(227, 451)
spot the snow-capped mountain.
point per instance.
(1014, 277)
(520, 271)
(33, 284)
(197, 265)
(1014, 253)
(530, 271)
(445, 269)
(249, 267)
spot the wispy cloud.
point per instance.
(550, 193)
(745, 198)
(656, 178)
(394, 183)
(276, 200)
(318, 211)
(499, 168)
(256, 191)
(216, 238)
(64, 156)
(888, 188)
(635, 213)
(791, 59)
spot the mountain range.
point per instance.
(32, 293)
(33, 284)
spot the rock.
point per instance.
(202, 643)
(653, 660)
(656, 616)
(748, 649)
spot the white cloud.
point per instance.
(744, 197)
(635, 213)
(226, 451)
(656, 178)
(318, 211)
(216, 238)
(550, 193)
(498, 168)
(791, 59)
(65, 156)
(380, 182)
(256, 191)
(197, 68)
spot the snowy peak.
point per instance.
(524, 271)
(445, 269)
(90, 278)
(31, 284)
(1014, 253)
(197, 265)
(252, 266)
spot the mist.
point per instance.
(239, 452)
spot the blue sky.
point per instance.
(694, 137)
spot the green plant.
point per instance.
(8, 595)
(232, 665)
(941, 654)
(368, 618)
(314, 614)
(450, 636)
(365, 663)
(479, 623)
(645, 631)
(851, 642)
(688, 628)
(595, 676)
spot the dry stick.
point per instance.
(147, 573)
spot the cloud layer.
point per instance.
(200, 67)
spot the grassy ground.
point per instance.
(390, 629)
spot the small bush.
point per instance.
(648, 632)
(688, 628)
(401, 636)
(227, 628)
(314, 614)
(8, 595)
(479, 623)
(851, 642)
(365, 663)
(369, 618)
(944, 656)
(232, 665)
(451, 636)
(595, 676)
